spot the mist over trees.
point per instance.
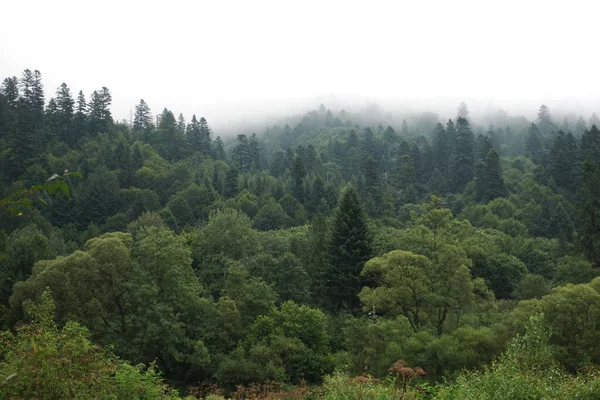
(320, 254)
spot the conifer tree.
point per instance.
(232, 183)
(589, 210)
(349, 249)
(534, 144)
(142, 118)
(298, 174)
(544, 120)
(464, 161)
(65, 107)
(489, 184)
(219, 149)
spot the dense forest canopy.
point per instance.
(324, 248)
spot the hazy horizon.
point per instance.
(238, 63)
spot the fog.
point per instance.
(245, 64)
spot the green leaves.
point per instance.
(23, 198)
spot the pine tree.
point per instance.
(589, 210)
(298, 174)
(405, 131)
(80, 120)
(219, 149)
(544, 120)
(534, 144)
(561, 167)
(255, 153)
(65, 108)
(590, 144)
(100, 117)
(206, 137)
(349, 249)
(142, 118)
(241, 154)
(464, 161)
(181, 125)
(463, 111)
(232, 183)
(194, 135)
(441, 149)
(489, 184)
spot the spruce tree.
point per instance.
(219, 149)
(464, 158)
(534, 144)
(65, 108)
(489, 184)
(589, 210)
(349, 249)
(544, 120)
(142, 118)
(232, 183)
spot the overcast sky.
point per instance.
(234, 58)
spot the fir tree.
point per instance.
(463, 162)
(231, 188)
(349, 249)
(142, 118)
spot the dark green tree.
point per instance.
(349, 248)
(489, 184)
(232, 184)
(142, 118)
(589, 210)
(464, 158)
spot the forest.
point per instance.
(335, 255)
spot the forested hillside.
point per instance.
(340, 254)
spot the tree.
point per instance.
(544, 120)
(219, 149)
(534, 144)
(142, 118)
(589, 210)
(349, 249)
(100, 117)
(463, 111)
(194, 134)
(298, 174)
(489, 184)
(241, 154)
(464, 157)
(231, 183)
(43, 361)
(65, 108)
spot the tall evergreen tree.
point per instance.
(489, 184)
(241, 153)
(298, 174)
(65, 110)
(194, 135)
(206, 136)
(561, 167)
(589, 210)
(590, 144)
(349, 249)
(232, 183)
(219, 149)
(441, 149)
(464, 160)
(534, 144)
(142, 118)
(544, 120)
(80, 120)
(100, 117)
(255, 153)
(463, 111)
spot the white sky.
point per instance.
(225, 59)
